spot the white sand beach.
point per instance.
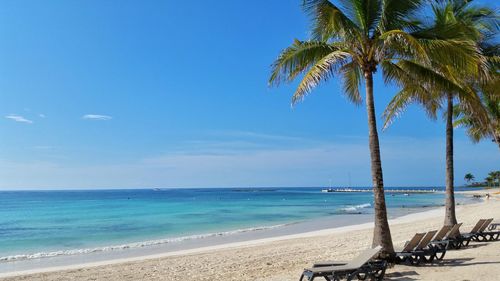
(283, 258)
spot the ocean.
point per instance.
(38, 224)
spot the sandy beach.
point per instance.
(283, 258)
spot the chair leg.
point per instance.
(431, 257)
(359, 274)
(378, 274)
(467, 241)
(415, 260)
(440, 254)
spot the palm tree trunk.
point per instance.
(449, 218)
(382, 232)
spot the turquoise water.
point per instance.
(67, 221)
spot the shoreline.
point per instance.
(189, 254)
(143, 231)
(74, 256)
(405, 218)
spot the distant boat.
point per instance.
(156, 189)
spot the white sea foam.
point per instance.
(356, 207)
(133, 245)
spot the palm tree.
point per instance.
(440, 84)
(469, 177)
(489, 181)
(494, 177)
(352, 41)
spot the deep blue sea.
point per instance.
(38, 223)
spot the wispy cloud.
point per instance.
(41, 115)
(96, 117)
(18, 118)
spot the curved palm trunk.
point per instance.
(449, 218)
(381, 233)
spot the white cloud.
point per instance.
(41, 115)
(96, 117)
(18, 118)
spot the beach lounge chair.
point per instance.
(424, 251)
(486, 235)
(476, 230)
(439, 244)
(406, 254)
(476, 234)
(456, 240)
(453, 240)
(427, 251)
(361, 267)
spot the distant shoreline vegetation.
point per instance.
(491, 181)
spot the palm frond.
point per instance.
(414, 93)
(366, 12)
(351, 81)
(396, 14)
(396, 107)
(329, 21)
(407, 72)
(297, 58)
(404, 44)
(321, 71)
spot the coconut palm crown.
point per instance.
(353, 39)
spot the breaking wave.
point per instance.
(350, 209)
(134, 245)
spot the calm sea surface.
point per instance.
(38, 223)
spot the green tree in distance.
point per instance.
(469, 177)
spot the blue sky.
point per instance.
(124, 94)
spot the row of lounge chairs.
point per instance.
(457, 240)
(422, 248)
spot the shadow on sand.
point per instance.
(407, 275)
(401, 276)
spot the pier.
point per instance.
(386, 190)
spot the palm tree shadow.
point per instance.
(401, 276)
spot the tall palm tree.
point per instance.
(439, 84)
(352, 40)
